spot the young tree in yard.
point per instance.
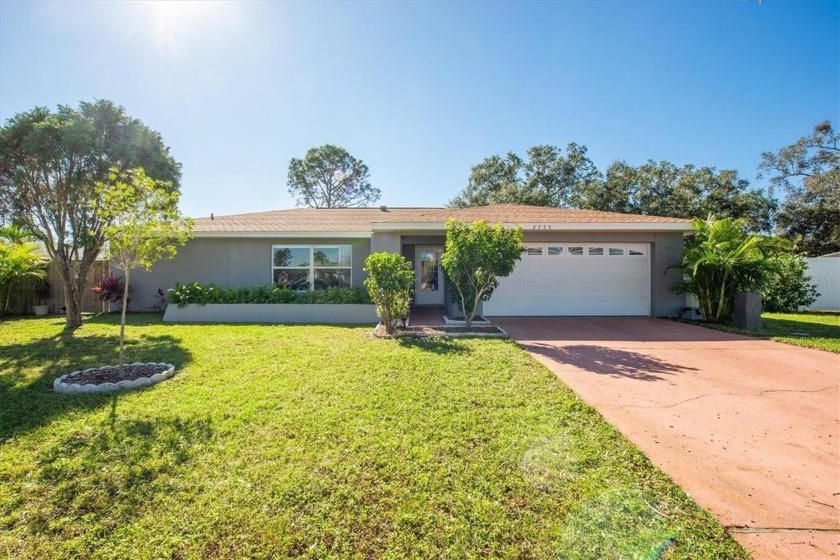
(143, 226)
(475, 257)
(50, 163)
(722, 258)
(389, 282)
(329, 177)
(809, 173)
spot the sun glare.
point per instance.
(177, 25)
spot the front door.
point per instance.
(428, 289)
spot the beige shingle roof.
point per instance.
(306, 219)
(517, 214)
(360, 220)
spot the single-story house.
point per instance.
(576, 262)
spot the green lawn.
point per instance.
(812, 330)
(315, 442)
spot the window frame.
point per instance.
(532, 247)
(578, 249)
(312, 268)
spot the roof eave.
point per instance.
(287, 234)
(545, 226)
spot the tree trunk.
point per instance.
(73, 274)
(122, 321)
(6, 300)
(72, 303)
(74, 277)
(722, 300)
(468, 317)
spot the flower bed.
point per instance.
(109, 379)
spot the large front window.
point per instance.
(311, 267)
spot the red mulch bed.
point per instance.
(111, 374)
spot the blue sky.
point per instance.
(423, 91)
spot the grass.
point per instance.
(320, 442)
(820, 330)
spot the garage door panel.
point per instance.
(587, 285)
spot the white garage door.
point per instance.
(576, 279)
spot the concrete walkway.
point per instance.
(749, 428)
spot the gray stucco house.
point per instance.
(577, 262)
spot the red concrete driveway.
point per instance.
(749, 428)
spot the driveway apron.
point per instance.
(749, 428)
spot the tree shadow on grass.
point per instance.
(434, 344)
(27, 372)
(601, 360)
(135, 319)
(101, 476)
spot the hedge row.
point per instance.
(194, 292)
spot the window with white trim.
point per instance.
(533, 250)
(585, 250)
(311, 267)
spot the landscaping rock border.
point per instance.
(61, 386)
(448, 331)
(477, 320)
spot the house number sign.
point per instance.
(540, 226)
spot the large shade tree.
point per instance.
(50, 164)
(664, 189)
(329, 177)
(547, 177)
(808, 172)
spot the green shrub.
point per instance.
(19, 261)
(722, 258)
(476, 256)
(193, 292)
(287, 295)
(389, 282)
(335, 295)
(790, 287)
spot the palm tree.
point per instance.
(722, 258)
(19, 260)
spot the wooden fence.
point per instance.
(98, 271)
(24, 297)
